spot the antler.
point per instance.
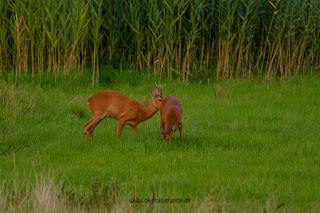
(159, 87)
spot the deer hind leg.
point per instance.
(135, 130)
(86, 128)
(89, 127)
(93, 127)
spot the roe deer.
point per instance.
(171, 117)
(112, 104)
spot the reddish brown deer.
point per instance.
(171, 117)
(112, 104)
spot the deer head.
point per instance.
(157, 95)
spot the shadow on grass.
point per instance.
(188, 142)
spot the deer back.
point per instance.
(171, 115)
(113, 104)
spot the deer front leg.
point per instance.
(120, 128)
(180, 130)
(135, 130)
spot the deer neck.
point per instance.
(147, 111)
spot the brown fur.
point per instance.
(112, 104)
(171, 117)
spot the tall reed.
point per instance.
(181, 38)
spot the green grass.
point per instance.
(249, 144)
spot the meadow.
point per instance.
(249, 145)
(245, 71)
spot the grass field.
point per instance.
(249, 145)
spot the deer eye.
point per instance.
(160, 100)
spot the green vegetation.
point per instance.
(249, 144)
(189, 39)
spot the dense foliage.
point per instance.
(182, 38)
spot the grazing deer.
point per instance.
(112, 104)
(171, 117)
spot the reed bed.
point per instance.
(175, 38)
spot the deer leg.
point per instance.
(120, 128)
(135, 130)
(86, 129)
(162, 122)
(89, 127)
(180, 130)
(93, 127)
(86, 136)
